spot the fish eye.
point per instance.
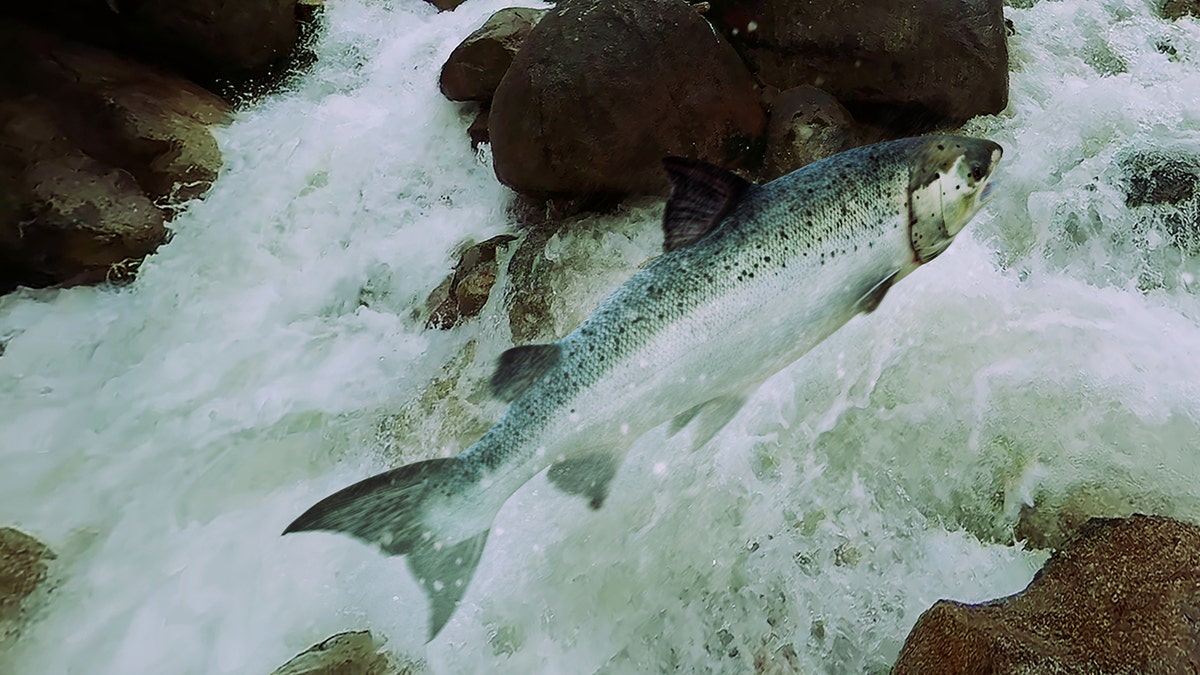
(976, 171)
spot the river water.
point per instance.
(159, 436)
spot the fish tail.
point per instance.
(408, 511)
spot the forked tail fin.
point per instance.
(392, 511)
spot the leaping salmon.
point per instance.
(750, 279)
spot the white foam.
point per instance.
(161, 436)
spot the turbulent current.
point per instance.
(160, 436)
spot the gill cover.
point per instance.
(946, 183)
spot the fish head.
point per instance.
(948, 184)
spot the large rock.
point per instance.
(94, 152)
(23, 568)
(206, 39)
(476, 66)
(945, 59)
(602, 90)
(1123, 597)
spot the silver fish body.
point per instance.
(753, 277)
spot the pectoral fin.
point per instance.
(588, 476)
(711, 416)
(520, 367)
(870, 300)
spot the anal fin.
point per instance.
(588, 476)
(445, 572)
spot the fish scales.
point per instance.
(771, 254)
(752, 277)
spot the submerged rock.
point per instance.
(1162, 187)
(1159, 178)
(476, 66)
(464, 293)
(806, 124)
(23, 568)
(602, 91)
(355, 653)
(1050, 524)
(1177, 9)
(945, 60)
(1123, 597)
(95, 152)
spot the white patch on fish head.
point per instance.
(947, 186)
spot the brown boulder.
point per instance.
(95, 151)
(601, 91)
(806, 124)
(944, 59)
(1123, 597)
(23, 567)
(476, 66)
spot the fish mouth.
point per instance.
(989, 189)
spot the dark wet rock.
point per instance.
(356, 653)
(1123, 597)
(466, 291)
(23, 568)
(1177, 9)
(476, 66)
(915, 64)
(206, 39)
(478, 131)
(215, 37)
(308, 10)
(95, 151)
(806, 124)
(601, 91)
(445, 5)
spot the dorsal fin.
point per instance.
(701, 197)
(520, 367)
